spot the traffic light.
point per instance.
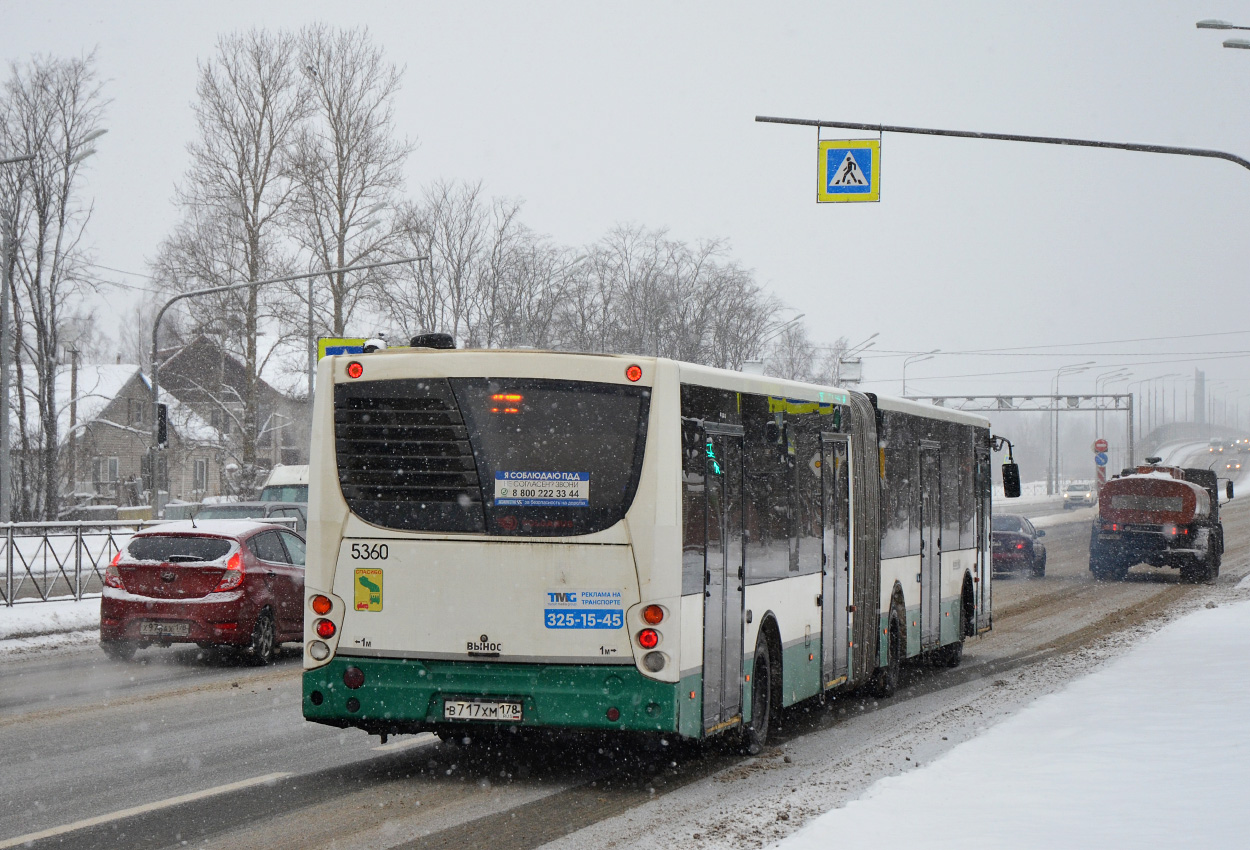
(162, 424)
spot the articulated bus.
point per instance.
(504, 540)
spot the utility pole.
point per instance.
(73, 420)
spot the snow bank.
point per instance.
(1152, 751)
(29, 620)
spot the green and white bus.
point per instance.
(502, 539)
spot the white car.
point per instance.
(1079, 496)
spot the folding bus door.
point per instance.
(984, 571)
(930, 546)
(835, 477)
(723, 580)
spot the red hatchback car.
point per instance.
(229, 583)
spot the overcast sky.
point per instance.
(596, 113)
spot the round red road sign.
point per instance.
(1100, 445)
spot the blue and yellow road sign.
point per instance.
(848, 170)
(339, 345)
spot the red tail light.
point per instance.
(113, 578)
(1020, 544)
(648, 638)
(234, 574)
(324, 628)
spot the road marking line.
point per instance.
(419, 741)
(139, 810)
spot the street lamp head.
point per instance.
(1214, 24)
(1238, 42)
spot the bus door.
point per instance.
(984, 571)
(723, 580)
(835, 594)
(930, 546)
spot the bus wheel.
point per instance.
(886, 681)
(755, 734)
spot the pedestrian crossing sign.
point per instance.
(848, 170)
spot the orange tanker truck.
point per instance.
(1164, 516)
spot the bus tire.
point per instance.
(755, 734)
(264, 643)
(885, 683)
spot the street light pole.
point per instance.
(156, 326)
(845, 357)
(916, 358)
(1070, 369)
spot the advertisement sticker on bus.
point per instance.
(368, 584)
(543, 489)
(584, 609)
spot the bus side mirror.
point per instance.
(1229, 489)
(1011, 480)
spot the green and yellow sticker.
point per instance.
(368, 586)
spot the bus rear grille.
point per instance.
(409, 447)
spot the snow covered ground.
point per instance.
(1150, 751)
(32, 626)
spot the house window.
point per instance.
(136, 411)
(201, 475)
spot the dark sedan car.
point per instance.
(1016, 547)
(215, 583)
(297, 511)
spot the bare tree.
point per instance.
(53, 109)
(348, 166)
(251, 104)
(450, 227)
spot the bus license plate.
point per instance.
(457, 709)
(171, 629)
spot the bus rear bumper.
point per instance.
(407, 695)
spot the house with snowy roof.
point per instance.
(105, 419)
(211, 382)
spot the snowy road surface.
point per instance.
(183, 747)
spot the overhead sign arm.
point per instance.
(1008, 137)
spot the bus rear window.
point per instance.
(528, 457)
(554, 457)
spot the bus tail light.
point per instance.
(648, 638)
(325, 628)
(354, 369)
(654, 661)
(321, 604)
(634, 373)
(353, 677)
(319, 650)
(653, 614)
